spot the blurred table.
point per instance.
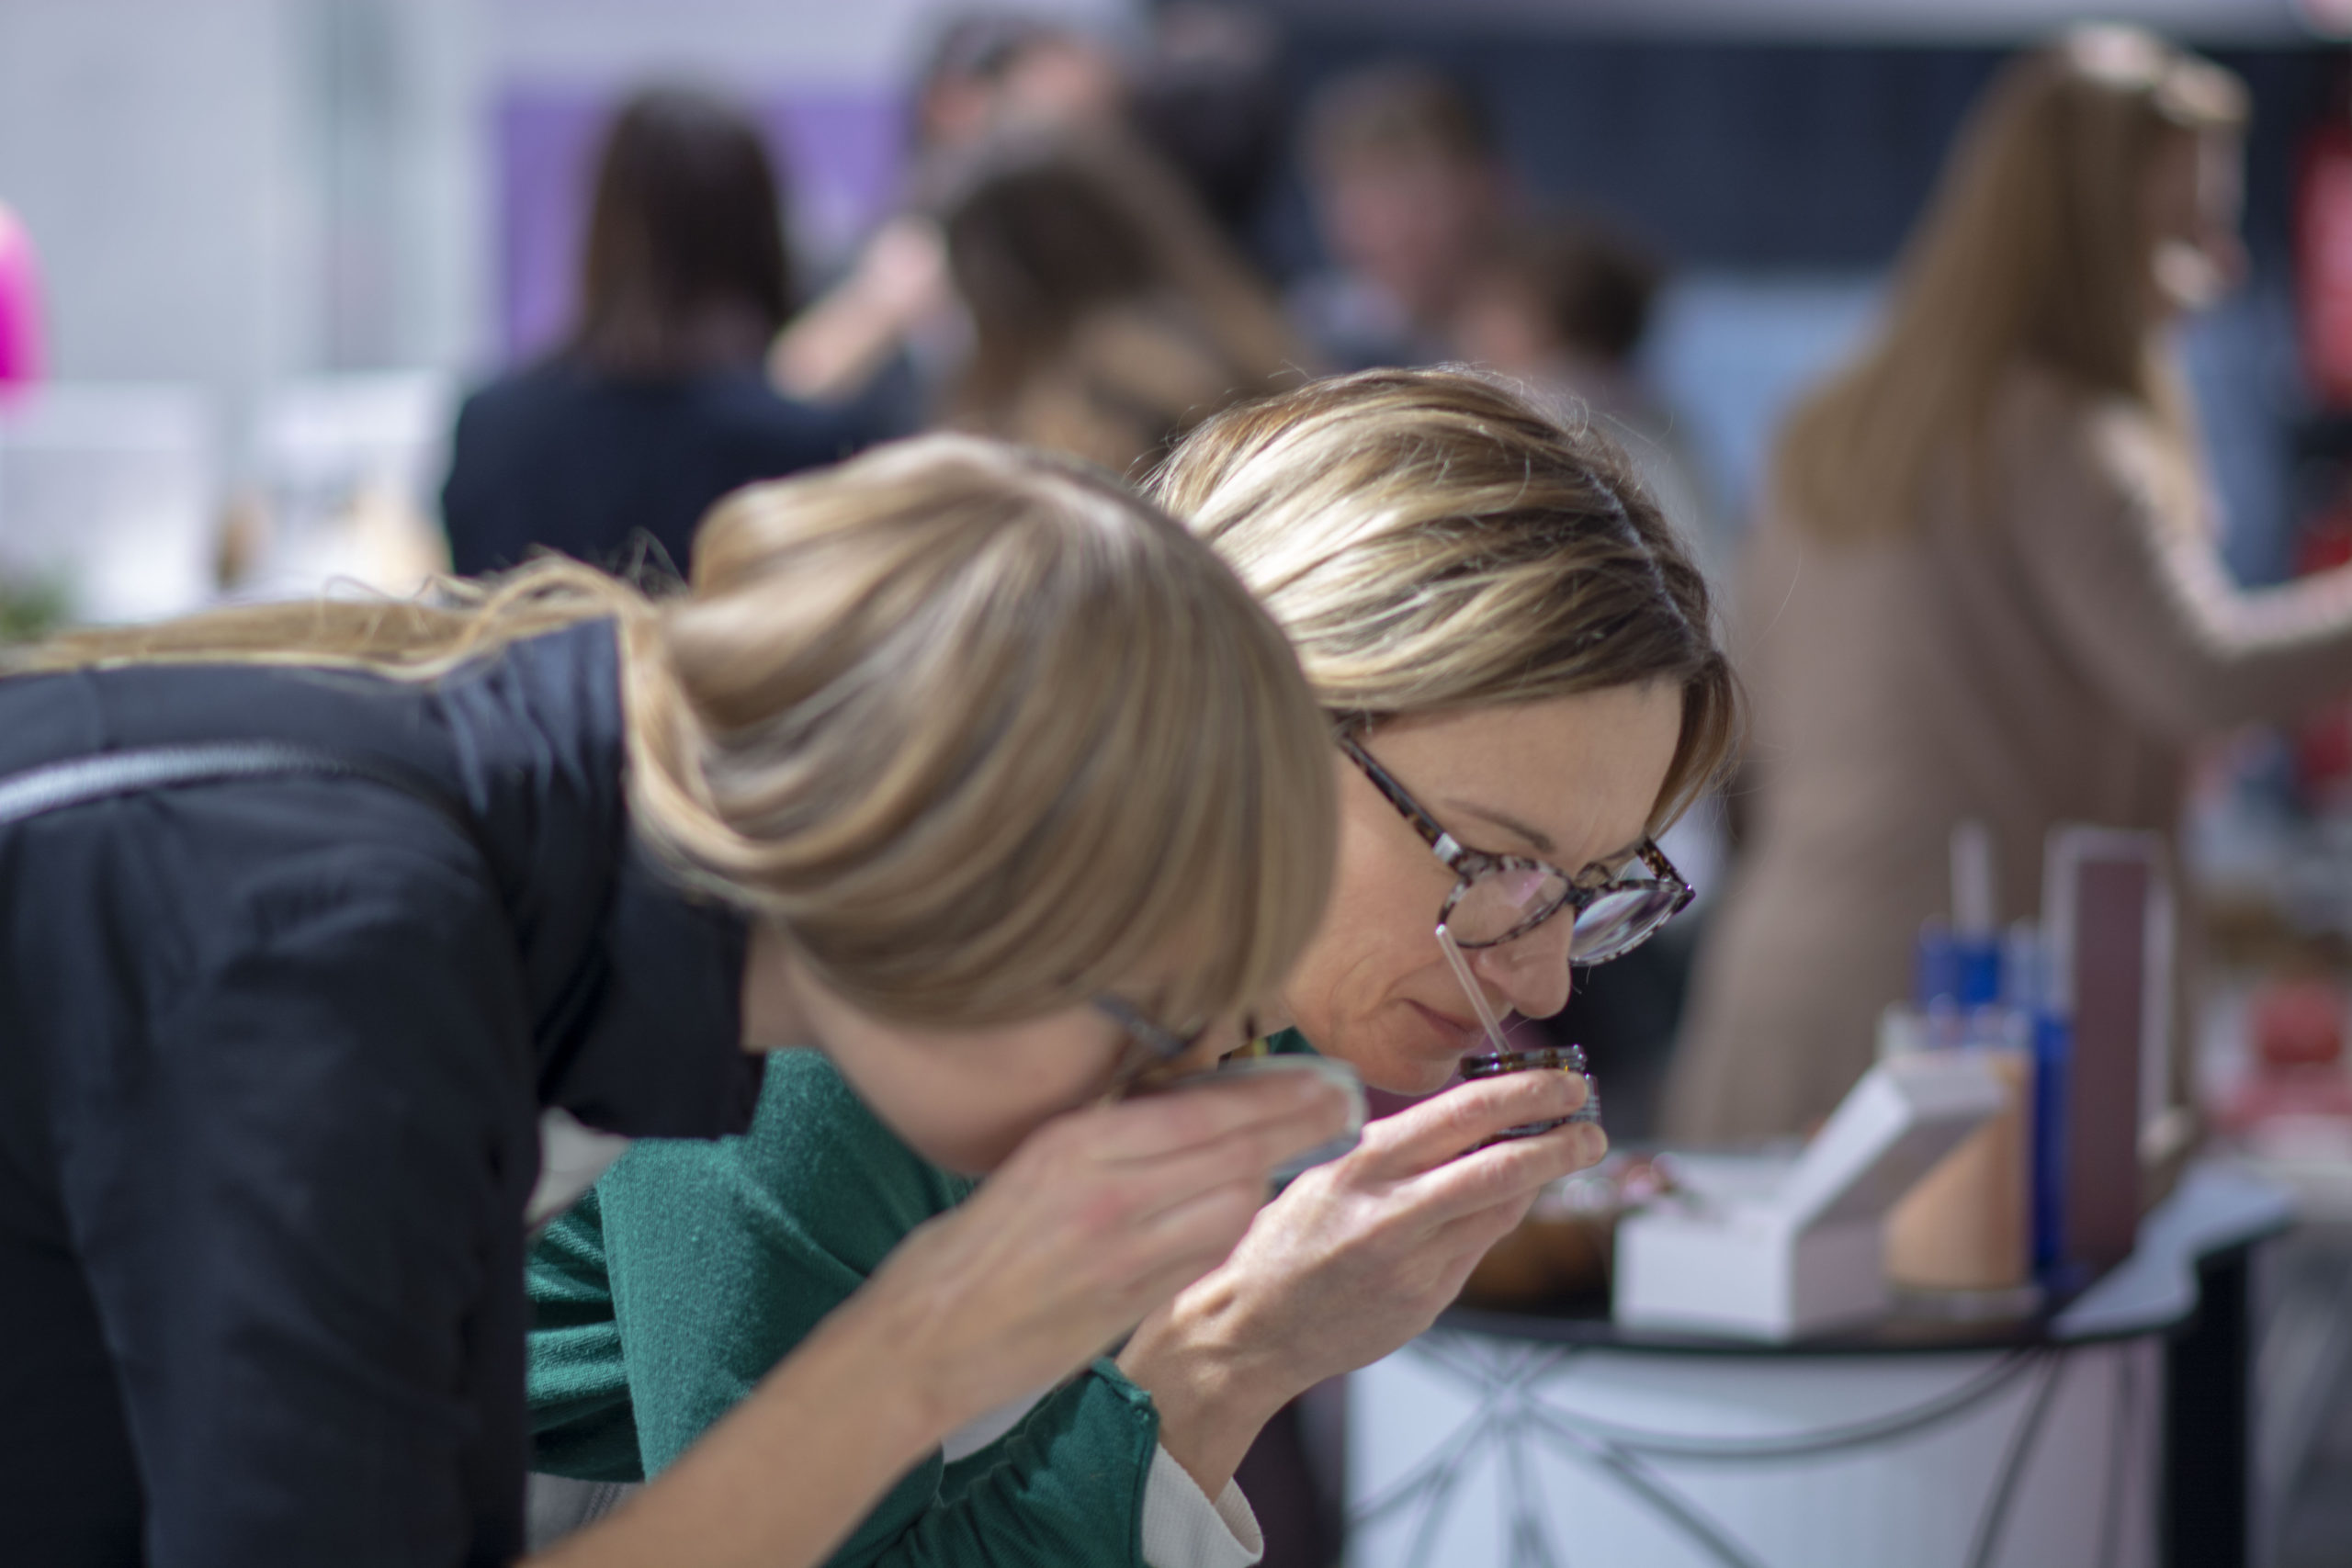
(2302, 1418)
(2110, 1427)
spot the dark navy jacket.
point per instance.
(559, 456)
(271, 1056)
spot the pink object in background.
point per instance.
(21, 357)
(2298, 1073)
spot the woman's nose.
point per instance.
(1532, 971)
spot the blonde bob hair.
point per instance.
(983, 733)
(2037, 249)
(1433, 541)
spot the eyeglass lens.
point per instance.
(1501, 902)
(1615, 923)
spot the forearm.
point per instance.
(786, 1475)
(2147, 609)
(2270, 652)
(836, 347)
(1071, 1484)
(1348, 1264)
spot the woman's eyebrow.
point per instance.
(1540, 841)
(1535, 837)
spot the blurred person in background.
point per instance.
(1410, 196)
(657, 403)
(1209, 99)
(1107, 316)
(1564, 305)
(888, 333)
(993, 72)
(1985, 585)
(1192, 125)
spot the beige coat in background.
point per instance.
(2045, 657)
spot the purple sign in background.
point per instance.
(841, 153)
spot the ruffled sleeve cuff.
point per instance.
(1182, 1528)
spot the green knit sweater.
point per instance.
(693, 1268)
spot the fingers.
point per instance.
(1241, 1158)
(1456, 1250)
(1183, 1241)
(1446, 1126)
(1078, 1185)
(1451, 1250)
(1116, 1188)
(1299, 1110)
(1505, 1172)
(1047, 1275)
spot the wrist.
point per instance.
(867, 1356)
(1212, 1387)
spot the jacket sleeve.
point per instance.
(581, 1423)
(724, 1256)
(286, 1196)
(2140, 597)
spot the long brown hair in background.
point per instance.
(1108, 315)
(685, 266)
(2035, 249)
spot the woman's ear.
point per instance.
(772, 1015)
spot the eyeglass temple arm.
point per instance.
(1423, 823)
(1655, 858)
(1164, 1045)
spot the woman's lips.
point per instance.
(1455, 1034)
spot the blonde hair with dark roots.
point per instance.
(1432, 541)
(982, 732)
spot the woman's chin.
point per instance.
(1421, 1078)
(1396, 1068)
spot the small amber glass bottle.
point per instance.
(1555, 1058)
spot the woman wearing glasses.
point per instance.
(1520, 690)
(956, 759)
(1514, 654)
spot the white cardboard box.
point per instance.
(1802, 1254)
